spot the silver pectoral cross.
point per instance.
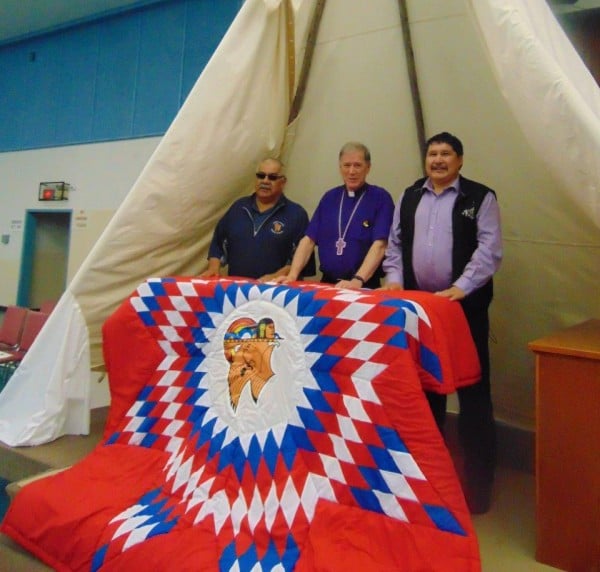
(340, 244)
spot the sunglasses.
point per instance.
(271, 176)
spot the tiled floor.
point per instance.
(506, 534)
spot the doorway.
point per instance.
(45, 256)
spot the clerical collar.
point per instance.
(357, 193)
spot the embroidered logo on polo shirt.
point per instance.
(277, 227)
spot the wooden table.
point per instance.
(568, 448)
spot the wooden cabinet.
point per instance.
(568, 448)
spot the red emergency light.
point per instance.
(53, 191)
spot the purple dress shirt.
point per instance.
(432, 245)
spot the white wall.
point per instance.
(101, 175)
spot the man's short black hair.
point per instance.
(445, 137)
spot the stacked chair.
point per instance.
(48, 305)
(12, 327)
(18, 331)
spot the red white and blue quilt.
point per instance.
(259, 427)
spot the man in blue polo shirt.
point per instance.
(257, 236)
(350, 227)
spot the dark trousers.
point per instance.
(476, 427)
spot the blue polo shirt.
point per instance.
(253, 244)
(371, 221)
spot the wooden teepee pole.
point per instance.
(306, 63)
(412, 77)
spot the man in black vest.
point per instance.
(446, 238)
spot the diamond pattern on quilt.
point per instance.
(338, 443)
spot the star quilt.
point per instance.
(259, 427)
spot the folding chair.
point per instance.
(9, 360)
(6, 371)
(47, 306)
(12, 327)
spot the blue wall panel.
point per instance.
(11, 108)
(121, 77)
(74, 113)
(118, 53)
(206, 23)
(161, 60)
(41, 89)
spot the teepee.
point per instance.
(498, 73)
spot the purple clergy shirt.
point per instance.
(432, 245)
(337, 215)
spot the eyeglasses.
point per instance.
(271, 176)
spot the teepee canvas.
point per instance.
(499, 74)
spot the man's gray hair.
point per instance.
(273, 160)
(355, 146)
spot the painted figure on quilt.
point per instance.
(248, 347)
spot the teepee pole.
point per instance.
(412, 77)
(306, 63)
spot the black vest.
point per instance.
(464, 234)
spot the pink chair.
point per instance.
(47, 306)
(9, 360)
(34, 322)
(12, 327)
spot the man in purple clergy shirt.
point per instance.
(446, 238)
(350, 227)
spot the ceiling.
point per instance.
(23, 18)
